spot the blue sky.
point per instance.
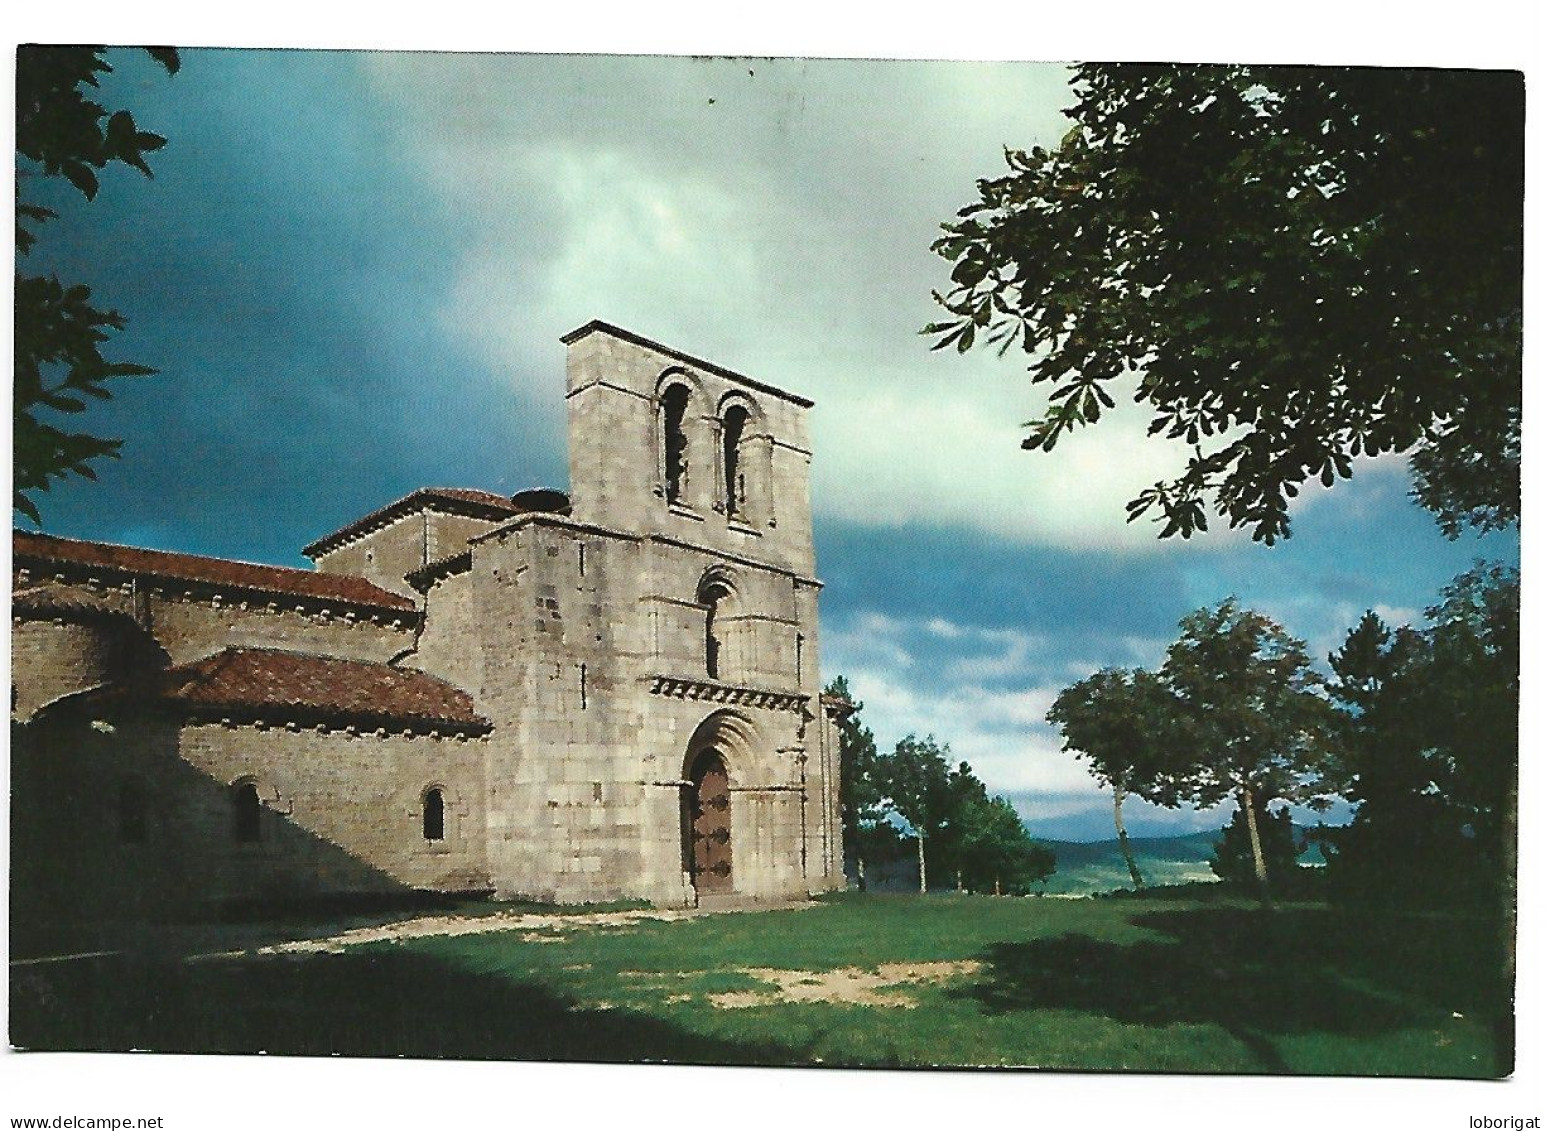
(352, 271)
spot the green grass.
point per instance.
(1171, 984)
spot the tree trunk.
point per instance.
(1504, 1030)
(860, 873)
(1124, 840)
(1261, 874)
(920, 852)
(958, 879)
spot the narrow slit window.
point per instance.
(713, 598)
(583, 686)
(433, 819)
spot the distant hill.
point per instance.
(1087, 867)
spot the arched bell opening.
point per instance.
(744, 471)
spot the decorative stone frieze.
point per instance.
(711, 691)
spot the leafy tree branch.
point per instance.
(59, 365)
(1291, 267)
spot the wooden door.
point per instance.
(710, 825)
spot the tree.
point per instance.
(1431, 753)
(1232, 859)
(994, 851)
(1472, 685)
(1290, 266)
(1473, 709)
(1123, 725)
(1404, 835)
(966, 795)
(1252, 709)
(979, 839)
(918, 788)
(866, 832)
(59, 333)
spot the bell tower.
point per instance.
(668, 444)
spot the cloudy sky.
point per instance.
(352, 271)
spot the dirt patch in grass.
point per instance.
(885, 985)
(530, 927)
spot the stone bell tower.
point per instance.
(664, 443)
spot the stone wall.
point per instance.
(189, 622)
(54, 658)
(342, 814)
(191, 627)
(561, 636)
(448, 646)
(384, 556)
(578, 626)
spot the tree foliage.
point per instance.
(1125, 726)
(59, 365)
(963, 837)
(865, 830)
(1122, 724)
(1291, 267)
(1431, 754)
(993, 851)
(1232, 860)
(918, 788)
(1254, 712)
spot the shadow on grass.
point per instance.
(382, 1002)
(250, 925)
(1260, 976)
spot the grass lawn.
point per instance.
(1154, 984)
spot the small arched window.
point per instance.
(733, 470)
(713, 596)
(433, 817)
(675, 444)
(245, 811)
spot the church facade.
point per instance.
(608, 694)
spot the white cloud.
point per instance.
(1002, 735)
(626, 242)
(1368, 492)
(776, 217)
(1138, 651)
(1336, 618)
(959, 683)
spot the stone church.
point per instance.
(607, 694)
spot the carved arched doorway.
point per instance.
(708, 821)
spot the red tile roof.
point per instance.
(292, 686)
(28, 549)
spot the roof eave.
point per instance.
(422, 499)
(597, 325)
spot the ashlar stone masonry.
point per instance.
(607, 694)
